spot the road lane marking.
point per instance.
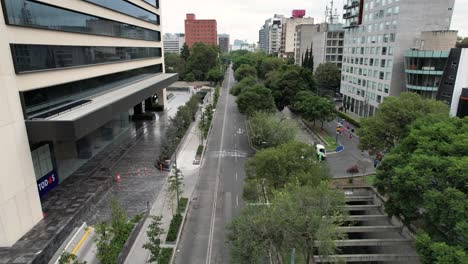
(236, 175)
(237, 200)
(86, 234)
(213, 209)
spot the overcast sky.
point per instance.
(243, 18)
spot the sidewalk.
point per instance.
(162, 207)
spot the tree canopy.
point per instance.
(312, 107)
(215, 75)
(174, 63)
(245, 71)
(392, 122)
(328, 77)
(255, 98)
(290, 162)
(240, 86)
(424, 178)
(288, 82)
(266, 130)
(301, 217)
(202, 58)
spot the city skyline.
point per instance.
(252, 17)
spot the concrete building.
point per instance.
(453, 88)
(275, 31)
(378, 34)
(425, 62)
(173, 42)
(224, 43)
(263, 37)
(72, 74)
(200, 30)
(324, 40)
(288, 30)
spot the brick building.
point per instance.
(200, 30)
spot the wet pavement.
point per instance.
(81, 195)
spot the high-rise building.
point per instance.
(223, 42)
(72, 74)
(263, 37)
(378, 34)
(288, 30)
(275, 31)
(324, 41)
(425, 62)
(173, 42)
(200, 30)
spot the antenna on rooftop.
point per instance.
(330, 14)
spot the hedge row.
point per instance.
(174, 228)
(165, 255)
(348, 118)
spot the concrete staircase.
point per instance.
(373, 237)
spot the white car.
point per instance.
(321, 150)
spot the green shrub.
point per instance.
(349, 118)
(182, 204)
(174, 228)
(165, 255)
(200, 150)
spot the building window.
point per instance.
(153, 2)
(37, 15)
(42, 161)
(43, 100)
(127, 8)
(47, 57)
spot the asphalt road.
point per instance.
(218, 195)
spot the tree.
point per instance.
(175, 187)
(240, 86)
(302, 217)
(185, 52)
(266, 130)
(312, 107)
(424, 178)
(392, 122)
(154, 238)
(69, 258)
(215, 75)
(255, 98)
(290, 162)
(308, 59)
(174, 63)
(328, 77)
(202, 58)
(269, 64)
(245, 71)
(288, 82)
(438, 252)
(190, 77)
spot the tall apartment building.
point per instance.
(72, 73)
(224, 43)
(378, 33)
(263, 37)
(173, 42)
(324, 40)
(288, 31)
(200, 30)
(275, 31)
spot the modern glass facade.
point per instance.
(43, 100)
(29, 57)
(127, 8)
(40, 15)
(153, 2)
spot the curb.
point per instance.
(353, 176)
(248, 137)
(181, 228)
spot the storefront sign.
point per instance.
(47, 183)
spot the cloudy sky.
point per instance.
(243, 18)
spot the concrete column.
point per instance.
(84, 148)
(162, 98)
(20, 207)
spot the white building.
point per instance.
(173, 42)
(72, 72)
(288, 32)
(378, 33)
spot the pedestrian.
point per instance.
(376, 162)
(147, 205)
(347, 125)
(350, 136)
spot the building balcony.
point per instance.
(431, 71)
(351, 25)
(349, 15)
(353, 4)
(422, 88)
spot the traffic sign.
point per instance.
(339, 149)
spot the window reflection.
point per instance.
(44, 57)
(153, 2)
(46, 99)
(128, 8)
(33, 14)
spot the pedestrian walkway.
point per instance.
(162, 204)
(304, 134)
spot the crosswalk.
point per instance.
(228, 153)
